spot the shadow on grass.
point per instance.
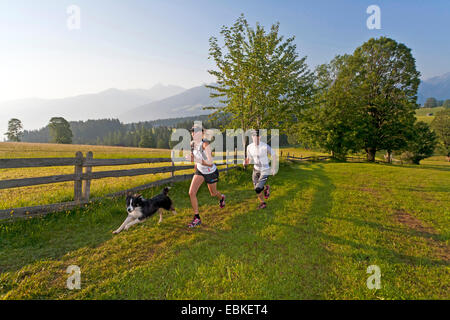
(239, 233)
(401, 231)
(241, 240)
(445, 168)
(52, 236)
(386, 254)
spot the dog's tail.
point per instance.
(166, 190)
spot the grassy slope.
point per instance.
(325, 224)
(421, 114)
(424, 111)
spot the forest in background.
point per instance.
(112, 132)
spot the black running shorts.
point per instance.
(210, 178)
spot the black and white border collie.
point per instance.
(140, 209)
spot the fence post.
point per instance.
(87, 182)
(226, 160)
(173, 164)
(78, 172)
(235, 156)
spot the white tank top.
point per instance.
(200, 154)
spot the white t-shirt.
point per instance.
(258, 156)
(199, 155)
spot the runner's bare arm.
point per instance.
(247, 159)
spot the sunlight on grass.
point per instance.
(324, 225)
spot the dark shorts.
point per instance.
(212, 177)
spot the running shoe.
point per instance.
(222, 201)
(262, 205)
(267, 192)
(195, 222)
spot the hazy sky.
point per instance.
(136, 44)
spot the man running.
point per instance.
(257, 153)
(205, 170)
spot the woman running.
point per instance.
(205, 170)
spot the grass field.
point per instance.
(324, 225)
(61, 192)
(421, 114)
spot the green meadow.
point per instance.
(421, 114)
(324, 225)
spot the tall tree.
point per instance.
(430, 103)
(382, 82)
(259, 77)
(446, 103)
(441, 126)
(15, 130)
(60, 131)
(331, 122)
(146, 139)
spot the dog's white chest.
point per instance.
(136, 213)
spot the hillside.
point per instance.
(422, 114)
(437, 87)
(35, 113)
(187, 103)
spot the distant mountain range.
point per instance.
(134, 105)
(36, 113)
(436, 87)
(188, 103)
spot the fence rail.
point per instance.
(37, 162)
(82, 180)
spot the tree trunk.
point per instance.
(245, 147)
(416, 160)
(243, 143)
(371, 154)
(388, 156)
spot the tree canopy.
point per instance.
(441, 126)
(446, 103)
(430, 103)
(364, 101)
(60, 131)
(259, 76)
(422, 142)
(15, 130)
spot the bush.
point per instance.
(421, 144)
(407, 157)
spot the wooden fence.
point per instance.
(290, 157)
(83, 176)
